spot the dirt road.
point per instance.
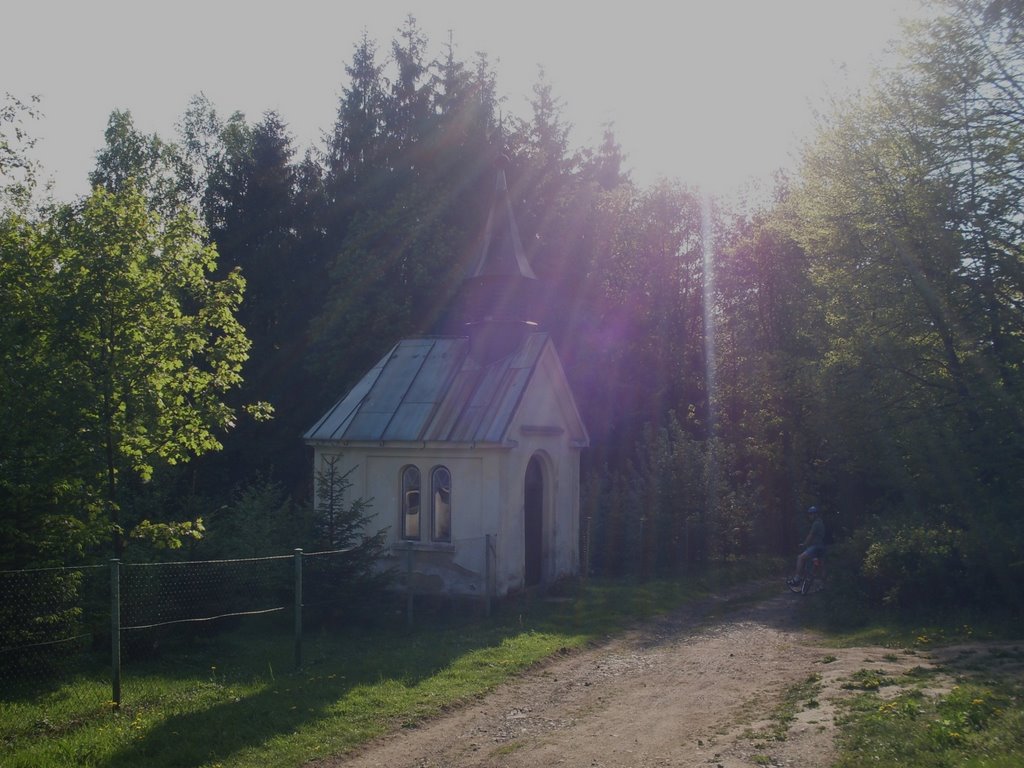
(704, 686)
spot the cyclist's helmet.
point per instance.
(812, 510)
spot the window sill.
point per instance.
(423, 546)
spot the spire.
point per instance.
(502, 252)
(498, 299)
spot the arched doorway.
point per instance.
(533, 521)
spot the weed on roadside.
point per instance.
(979, 723)
(867, 680)
(796, 698)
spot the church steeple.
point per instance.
(498, 306)
(501, 254)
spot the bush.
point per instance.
(910, 565)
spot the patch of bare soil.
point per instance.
(704, 686)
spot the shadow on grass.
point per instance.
(356, 684)
(847, 617)
(220, 731)
(33, 683)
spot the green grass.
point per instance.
(846, 620)
(228, 700)
(794, 699)
(798, 697)
(979, 724)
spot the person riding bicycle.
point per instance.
(814, 544)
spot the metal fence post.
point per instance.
(587, 543)
(488, 575)
(298, 609)
(115, 631)
(408, 589)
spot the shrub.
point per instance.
(908, 565)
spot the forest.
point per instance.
(853, 338)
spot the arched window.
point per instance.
(410, 503)
(441, 504)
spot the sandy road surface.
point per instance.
(696, 688)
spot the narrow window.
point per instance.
(441, 504)
(410, 503)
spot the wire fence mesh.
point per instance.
(71, 636)
(52, 621)
(161, 595)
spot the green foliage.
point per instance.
(258, 520)
(19, 172)
(130, 160)
(950, 558)
(681, 505)
(122, 349)
(354, 578)
(39, 609)
(168, 535)
(910, 565)
(909, 211)
(407, 183)
(261, 212)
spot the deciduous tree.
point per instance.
(125, 347)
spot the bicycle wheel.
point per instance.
(807, 583)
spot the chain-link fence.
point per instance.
(77, 633)
(52, 623)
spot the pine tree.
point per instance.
(349, 572)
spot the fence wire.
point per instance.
(161, 595)
(56, 624)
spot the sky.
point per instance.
(712, 92)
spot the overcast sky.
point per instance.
(709, 91)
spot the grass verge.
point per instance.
(978, 724)
(966, 712)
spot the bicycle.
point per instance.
(811, 580)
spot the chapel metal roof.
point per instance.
(432, 389)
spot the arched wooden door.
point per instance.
(533, 521)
